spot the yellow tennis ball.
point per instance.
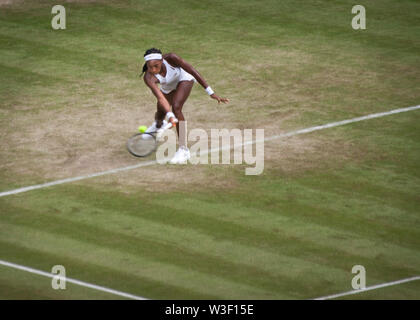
(142, 129)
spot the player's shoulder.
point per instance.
(149, 78)
(170, 55)
(173, 59)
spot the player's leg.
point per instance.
(182, 92)
(181, 95)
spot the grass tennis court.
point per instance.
(326, 201)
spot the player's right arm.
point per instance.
(151, 81)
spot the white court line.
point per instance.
(131, 296)
(70, 280)
(149, 163)
(378, 286)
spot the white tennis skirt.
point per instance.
(184, 76)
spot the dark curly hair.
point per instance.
(149, 51)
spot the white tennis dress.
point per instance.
(174, 75)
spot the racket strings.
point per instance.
(142, 145)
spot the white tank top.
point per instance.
(172, 75)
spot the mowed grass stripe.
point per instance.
(19, 78)
(302, 235)
(224, 221)
(342, 212)
(232, 219)
(52, 59)
(85, 29)
(164, 252)
(316, 216)
(290, 238)
(111, 17)
(190, 237)
(132, 274)
(102, 22)
(363, 199)
(136, 265)
(119, 28)
(18, 284)
(280, 246)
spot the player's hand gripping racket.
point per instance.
(143, 144)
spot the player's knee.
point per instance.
(160, 107)
(177, 107)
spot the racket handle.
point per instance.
(172, 123)
(167, 126)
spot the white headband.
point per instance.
(153, 56)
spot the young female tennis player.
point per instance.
(176, 77)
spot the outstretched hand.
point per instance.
(219, 99)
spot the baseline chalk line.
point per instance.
(152, 162)
(70, 280)
(378, 286)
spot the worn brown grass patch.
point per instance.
(89, 134)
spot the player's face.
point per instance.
(154, 66)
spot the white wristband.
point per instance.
(209, 91)
(169, 115)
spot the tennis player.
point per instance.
(176, 78)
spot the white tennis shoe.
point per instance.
(181, 156)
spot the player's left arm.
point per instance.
(177, 61)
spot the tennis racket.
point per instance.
(144, 144)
